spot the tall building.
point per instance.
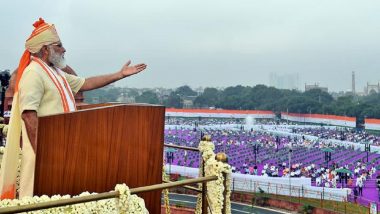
(372, 88)
(284, 81)
(315, 86)
(353, 83)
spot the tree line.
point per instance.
(259, 97)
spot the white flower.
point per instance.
(215, 188)
(129, 203)
(165, 177)
(126, 203)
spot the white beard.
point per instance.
(56, 59)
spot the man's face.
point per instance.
(56, 55)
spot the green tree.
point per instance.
(234, 97)
(185, 91)
(209, 98)
(103, 95)
(174, 101)
(258, 97)
(132, 92)
(147, 97)
(264, 98)
(319, 96)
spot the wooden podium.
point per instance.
(100, 146)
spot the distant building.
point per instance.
(335, 95)
(370, 89)
(162, 93)
(353, 90)
(360, 94)
(315, 86)
(199, 90)
(188, 101)
(124, 98)
(284, 81)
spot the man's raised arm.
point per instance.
(103, 80)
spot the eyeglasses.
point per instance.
(57, 44)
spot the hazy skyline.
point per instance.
(207, 43)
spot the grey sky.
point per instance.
(207, 42)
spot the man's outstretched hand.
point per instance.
(128, 70)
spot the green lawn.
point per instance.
(341, 207)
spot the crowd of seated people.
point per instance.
(307, 157)
(337, 133)
(196, 121)
(275, 147)
(344, 134)
(202, 121)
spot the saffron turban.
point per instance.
(43, 34)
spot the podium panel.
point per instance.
(95, 149)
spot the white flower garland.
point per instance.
(198, 207)
(126, 203)
(215, 189)
(129, 203)
(165, 177)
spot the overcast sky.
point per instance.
(207, 42)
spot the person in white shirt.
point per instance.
(360, 184)
(318, 181)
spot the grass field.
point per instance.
(341, 207)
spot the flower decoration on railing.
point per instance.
(129, 203)
(126, 203)
(165, 177)
(215, 189)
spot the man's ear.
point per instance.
(44, 53)
(45, 50)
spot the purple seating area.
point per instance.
(307, 158)
(208, 121)
(346, 134)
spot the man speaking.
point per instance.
(42, 88)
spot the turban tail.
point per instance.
(10, 161)
(43, 34)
